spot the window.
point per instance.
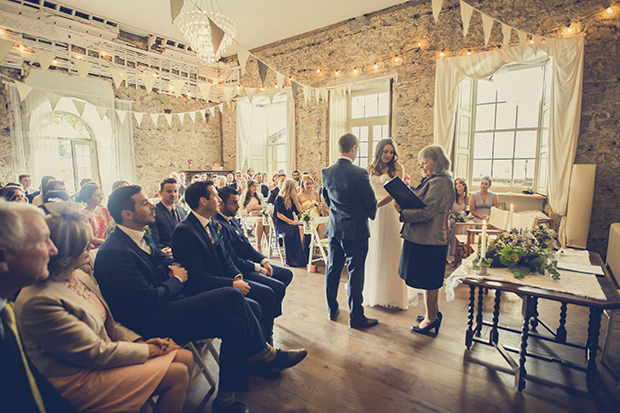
(502, 128)
(369, 120)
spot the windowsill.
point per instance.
(520, 195)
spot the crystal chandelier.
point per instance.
(196, 29)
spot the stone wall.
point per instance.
(7, 162)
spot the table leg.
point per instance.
(594, 326)
(479, 314)
(528, 310)
(469, 335)
(561, 332)
(534, 319)
(494, 336)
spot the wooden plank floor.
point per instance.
(388, 369)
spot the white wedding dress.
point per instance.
(382, 285)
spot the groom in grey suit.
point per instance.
(351, 200)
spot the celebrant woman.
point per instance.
(425, 234)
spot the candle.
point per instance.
(483, 246)
(512, 211)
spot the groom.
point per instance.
(351, 200)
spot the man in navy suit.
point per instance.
(198, 245)
(351, 201)
(167, 214)
(144, 290)
(254, 265)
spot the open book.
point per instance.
(402, 194)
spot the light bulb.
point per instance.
(610, 10)
(420, 44)
(318, 70)
(54, 62)
(355, 71)
(375, 65)
(468, 52)
(397, 59)
(569, 29)
(441, 54)
(337, 72)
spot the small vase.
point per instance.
(483, 270)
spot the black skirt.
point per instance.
(423, 266)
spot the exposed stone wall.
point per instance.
(7, 162)
(379, 36)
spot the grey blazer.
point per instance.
(429, 225)
(62, 333)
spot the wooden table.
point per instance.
(530, 318)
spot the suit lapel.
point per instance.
(164, 211)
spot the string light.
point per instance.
(318, 70)
(569, 29)
(468, 53)
(376, 66)
(22, 48)
(441, 53)
(610, 10)
(54, 62)
(337, 72)
(396, 59)
(355, 70)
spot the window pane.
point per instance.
(504, 144)
(485, 117)
(483, 145)
(524, 172)
(363, 162)
(384, 104)
(281, 152)
(486, 92)
(363, 134)
(371, 106)
(376, 133)
(357, 107)
(386, 131)
(363, 151)
(355, 130)
(480, 169)
(502, 172)
(506, 115)
(528, 115)
(526, 144)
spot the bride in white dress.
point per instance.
(382, 285)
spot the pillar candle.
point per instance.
(512, 211)
(483, 247)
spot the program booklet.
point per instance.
(402, 194)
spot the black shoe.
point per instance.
(426, 330)
(363, 322)
(334, 316)
(284, 360)
(421, 317)
(236, 407)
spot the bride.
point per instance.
(382, 285)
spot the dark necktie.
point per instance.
(175, 216)
(233, 221)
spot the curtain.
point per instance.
(338, 118)
(291, 147)
(245, 121)
(567, 67)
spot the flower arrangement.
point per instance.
(267, 210)
(189, 164)
(460, 216)
(305, 218)
(524, 251)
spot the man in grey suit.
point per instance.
(351, 200)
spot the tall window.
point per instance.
(369, 120)
(501, 128)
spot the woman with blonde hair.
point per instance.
(70, 336)
(287, 211)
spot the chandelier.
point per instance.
(195, 27)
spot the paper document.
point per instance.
(589, 269)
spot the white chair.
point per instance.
(316, 241)
(273, 238)
(613, 264)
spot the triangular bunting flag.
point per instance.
(221, 108)
(271, 93)
(205, 88)
(536, 43)
(487, 26)
(175, 8)
(466, 11)
(280, 80)
(79, 105)
(23, 90)
(178, 84)
(324, 94)
(522, 40)
(192, 116)
(168, 117)
(118, 75)
(53, 98)
(436, 9)
(181, 117)
(5, 48)
(294, 88)
(45, 58)
(217, 35)
(227, 91)
(122, 114)
(306, 94)
(83, 67)
(242, 56)
(149, 81)
(154, 118)
(139, 116)
(262, 71)
(506, 32)
(102, 112)
(250, 92)
(211, 109)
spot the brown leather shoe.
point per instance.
(284, 359)
(363, 322)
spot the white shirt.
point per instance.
(137, 237)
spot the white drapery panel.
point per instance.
(245, 123)
(338, 118)
(291, 146)
(567, 66)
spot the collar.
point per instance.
(346, 159)
(168, 208)
(136, 236)
(203, 221)
(2, 304)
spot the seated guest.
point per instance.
(286, 204)
(12, 192)
(242, 185)
(276, 189)
(145, 293)
(480, 202)
(253, 265)
(56, 196)
(36, 198)
(118, 184)
(26, 183)
(461, 203)
(296, 176)
(198, 246)
(71, 337)
(252, 204)
(84, 182)
(220, 181)
(25, 249)
(230, 181)
(309, 199)
(99, 217)
(167, 214)
(262, 188)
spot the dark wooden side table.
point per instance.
(530, 297)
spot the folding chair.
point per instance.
(274, 238)
(316, 242)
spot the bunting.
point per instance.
(149, 81)
(53, 98)
(522, 40)
(101, 111)
(82, 67)
(437, 9)
(139, 116)
(217, 35)
(154, 118)
(175, 8)
(177, 85)
(118, 75)
(205, 89)
(227, 91)
(242, 56)
(79, 105)
(294, 89)
(262, 71)
(271, 93)
(307, 90)
(45, 58)
(5, 48)
(168, 117)
(211, 110)
(250, 92)
(506, 32)
(280, 80)
(23, 90)
(122, 114)
(466, 12)
(487, 26)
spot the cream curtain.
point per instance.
(291, 147)
(338, 118)
(567, 66)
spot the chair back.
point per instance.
(613, 251)
(520, 221)
(499, 218)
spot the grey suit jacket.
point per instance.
(62, 333)
(429, 225)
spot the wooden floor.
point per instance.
(389, 369)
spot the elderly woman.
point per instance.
(70, 336)
(287, 211)
(425, 234)
(13, 192)
(480, 202)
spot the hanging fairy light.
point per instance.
(196, 29)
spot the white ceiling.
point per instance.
(259, 22)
